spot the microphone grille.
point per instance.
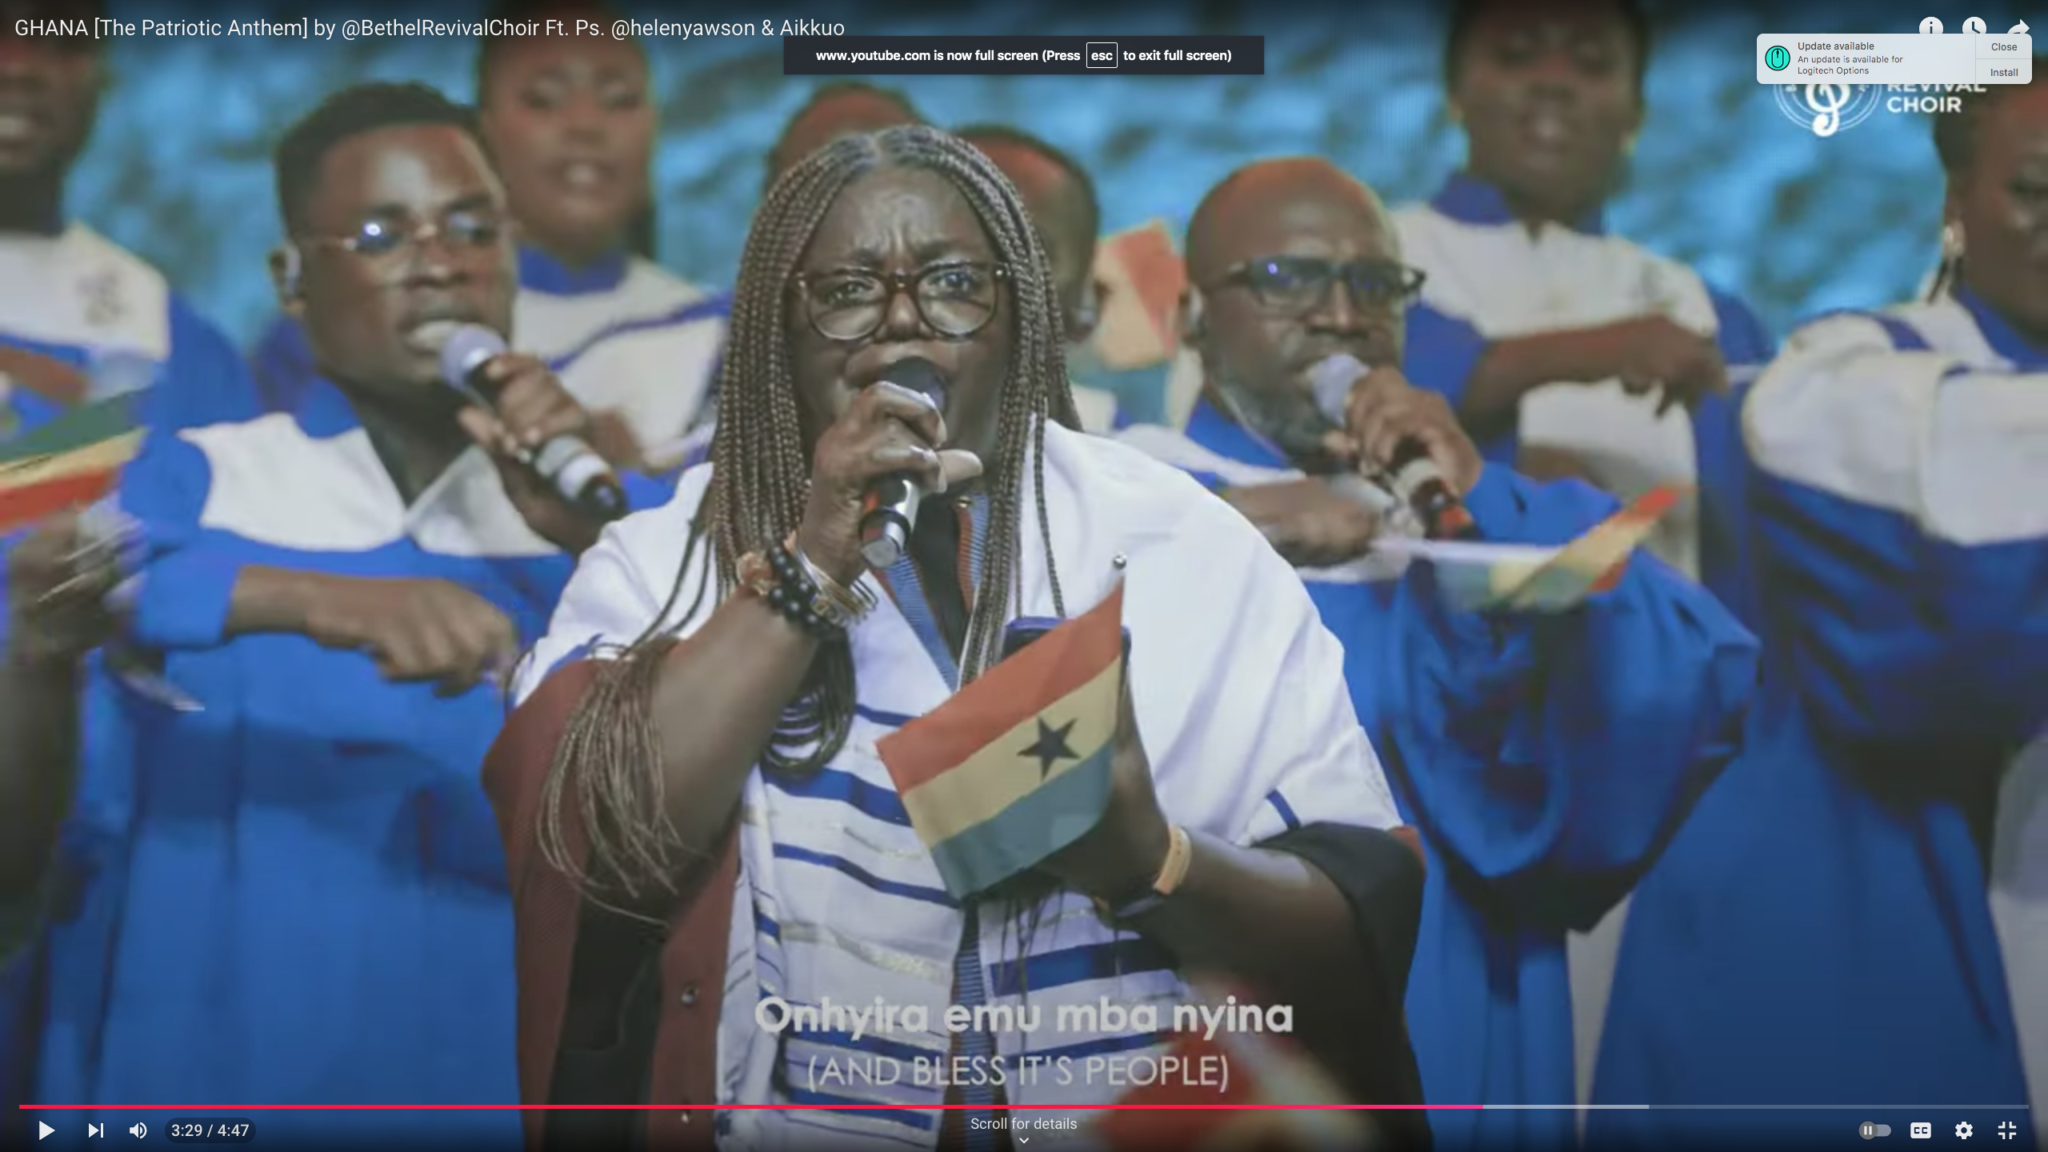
(1331, 379)
(468, 346)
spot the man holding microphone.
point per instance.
(1544, 757)
(315, 910)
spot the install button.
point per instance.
(2020, 71)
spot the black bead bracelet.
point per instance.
(795, 595)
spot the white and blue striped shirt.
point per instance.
(1241, 703)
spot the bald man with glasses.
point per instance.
(1544, 757)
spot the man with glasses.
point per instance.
(572, 123)
(1290, 262)
(315, 908)
(1545, 758)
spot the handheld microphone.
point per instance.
(575, 470)
(1411, 474)
(889, 507)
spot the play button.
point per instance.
(43, 1130)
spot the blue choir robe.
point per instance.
(1820, 932)
(626, 337)
(1489, 278)
(1546, 761)
(75, 305)
(313, 909)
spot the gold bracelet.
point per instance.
(1180, 851)
(1178, 855)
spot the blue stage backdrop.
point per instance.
(1727, 175)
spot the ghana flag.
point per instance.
(1529, 578)
(1016, 766)
(72, 460)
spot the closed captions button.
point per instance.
(1870, 1131)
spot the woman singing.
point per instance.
(685, 740)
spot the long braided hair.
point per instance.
(608, 763)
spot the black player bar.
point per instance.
(1023, 55)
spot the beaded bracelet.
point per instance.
(796, 596)
(838, 603)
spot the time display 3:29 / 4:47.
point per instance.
(210, 1130)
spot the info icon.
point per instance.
(1777, 58)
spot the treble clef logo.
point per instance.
(1827, 100)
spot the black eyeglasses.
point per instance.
(1296, 284)
(380, 236)
(956, 300)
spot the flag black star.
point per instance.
(1051, 746)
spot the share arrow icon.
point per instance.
(2019, 29)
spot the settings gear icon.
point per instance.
(1964, 1131)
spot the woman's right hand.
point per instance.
(887, 429)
